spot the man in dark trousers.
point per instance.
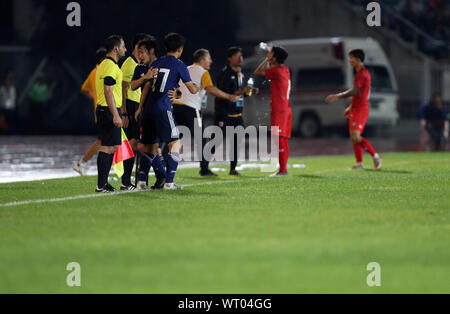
(188, 107)
(434, 122)
(231, 81)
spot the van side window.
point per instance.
(380, 78)
(318, 79)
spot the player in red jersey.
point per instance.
(280, 90)
(358, 111)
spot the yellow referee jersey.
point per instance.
(128, 68)
(108, 73)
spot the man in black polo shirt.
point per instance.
(231, 80)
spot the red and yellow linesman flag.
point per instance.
(124, 152)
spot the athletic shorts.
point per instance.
(108, 133)
(282, 120)
(357, 120)
(186, 116)
(133, 131)
(159, 127)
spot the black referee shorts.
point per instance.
(133, 130)
(108, 133)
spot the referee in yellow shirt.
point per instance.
(108, 84)
(130, 103)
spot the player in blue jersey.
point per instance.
(158, 124)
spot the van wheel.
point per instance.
(309, 126)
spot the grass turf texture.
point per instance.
(313, 231)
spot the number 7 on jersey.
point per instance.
(164, 80)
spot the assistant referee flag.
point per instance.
(124, 152)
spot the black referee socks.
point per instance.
(104, 163)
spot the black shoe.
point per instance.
(130, 187)
(106, 189)
(234, 173)
(159, 184)
(207, 173)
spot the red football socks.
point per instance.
(368, 147)
(283, 154)
(359, 151)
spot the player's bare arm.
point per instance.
(218, 93)
(112, 106)
(194, 89)
(260, 70)
(349, 93)
(144, 95)
(125, 120)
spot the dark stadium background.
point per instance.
(34, 34)
(70, 51)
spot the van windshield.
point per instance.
(320, 79)
(381, 80)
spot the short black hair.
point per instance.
(200, 54)
(173, 42)
(112, 41)
(149, 43)
(232, 51)
(100, 54)
(140, 37)
(280, 54)
(358, 53)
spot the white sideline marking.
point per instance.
(87, 196)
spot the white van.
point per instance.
(320, 67)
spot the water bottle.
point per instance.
(204, 102)
(264, 46)
(250, 84)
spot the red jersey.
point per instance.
(363, 81)
(280, 87)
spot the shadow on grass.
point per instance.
(308, 176)
(389, 171)
(161, 195)
(202, 179)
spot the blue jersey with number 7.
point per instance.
(171, 71)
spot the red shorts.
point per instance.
(282, 120)
(357, 120)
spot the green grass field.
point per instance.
(314, 231)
